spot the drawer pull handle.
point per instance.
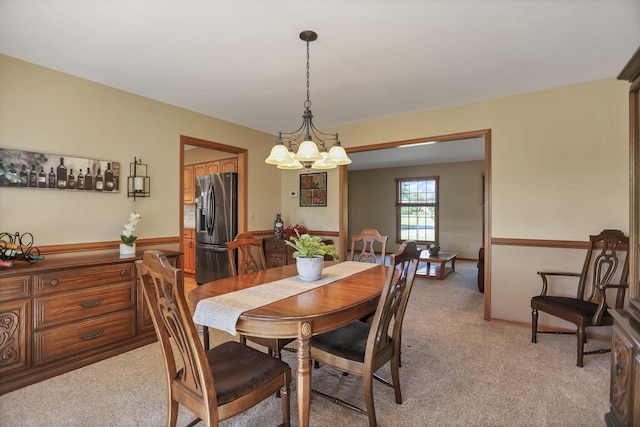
(619, 369)
(91, 335)
(91, 303)
(54, 282)
(123, 273)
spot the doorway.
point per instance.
(242, 176)
(486, 191)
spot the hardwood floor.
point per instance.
(189, 281)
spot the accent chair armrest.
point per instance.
(544, 275)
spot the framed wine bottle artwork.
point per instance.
(27, 169)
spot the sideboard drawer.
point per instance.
(81, 278)
(62, 341)
(274, 245)
(15, 287)
(53, 310)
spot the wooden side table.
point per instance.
(439, 269)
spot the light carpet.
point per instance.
(458, 370)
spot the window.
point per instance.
(417, 209)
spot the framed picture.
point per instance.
(45, 171)
(313, 189)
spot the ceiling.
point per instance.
(242, 60)
(461, 150)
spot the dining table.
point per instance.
(314, 311)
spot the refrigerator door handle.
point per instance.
(210, 209)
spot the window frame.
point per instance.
(435, 205)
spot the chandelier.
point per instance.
(311, 144)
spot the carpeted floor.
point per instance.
(458, 370)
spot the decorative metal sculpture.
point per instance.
(17, 247)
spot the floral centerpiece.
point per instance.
(128, 238)
(309, 246)
(309, 254)
(294, 230)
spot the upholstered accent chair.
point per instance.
(606, 267)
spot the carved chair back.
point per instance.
(369, 237)
(246, 246)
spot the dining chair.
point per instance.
(361, 348)
(606, 261)
(368, 237)
(245, 247)
(215, 384)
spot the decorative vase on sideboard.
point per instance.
(127, 250)
(310, 269)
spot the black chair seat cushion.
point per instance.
(238, 369)
(348, 342)
(572, 305)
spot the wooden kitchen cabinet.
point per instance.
(216, 166)
(61, 314)
(189, 250)
(229, 165)
(200, 169)
(189, 186)
(212, 167)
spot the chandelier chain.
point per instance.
(307, 103)
(306, 146)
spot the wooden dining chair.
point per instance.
(368, 238)
(607, 259)
(245, 246)
(361, 348)
(214, 384)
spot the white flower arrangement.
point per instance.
(127, 235)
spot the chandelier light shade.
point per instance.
(307, 146)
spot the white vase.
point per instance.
(310, 269)
(127, 250)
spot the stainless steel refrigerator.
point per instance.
(216, 224)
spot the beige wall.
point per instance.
(559, 165)
(46, 111)
(559, 170)
(201, 155)
(372, 196)
(317, 217)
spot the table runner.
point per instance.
(222, 311)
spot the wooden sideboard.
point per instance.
(277, 253)
(625, 371)
(61, 314)
(624, 394)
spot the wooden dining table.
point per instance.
(301, 316)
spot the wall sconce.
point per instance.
(139, 182)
